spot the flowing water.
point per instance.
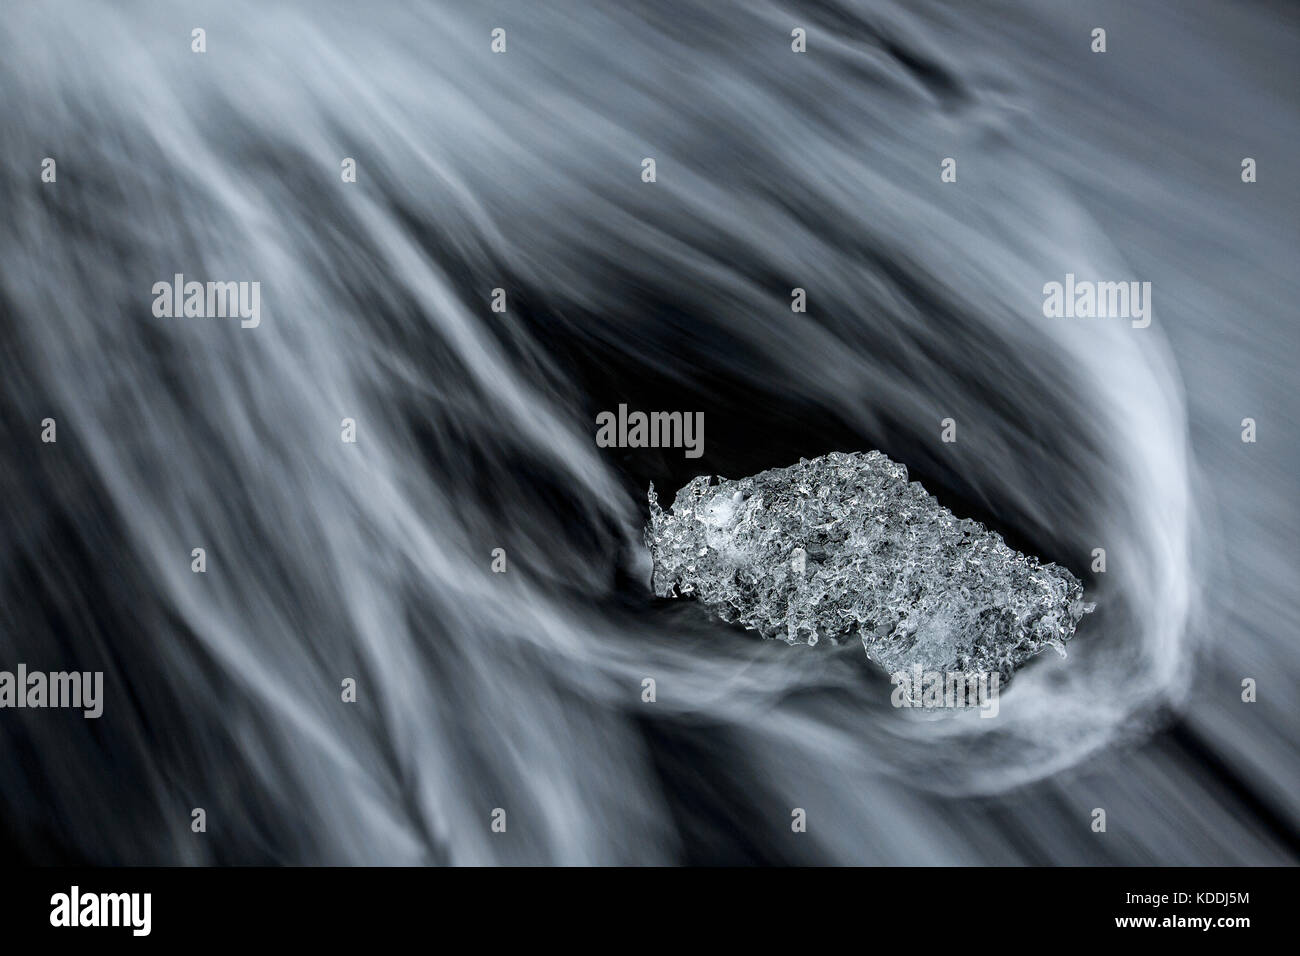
(522, 171)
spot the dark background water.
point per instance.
(521, 171)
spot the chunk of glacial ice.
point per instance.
(844, 545)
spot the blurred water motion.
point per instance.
(521, 171)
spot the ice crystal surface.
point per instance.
(844, 545)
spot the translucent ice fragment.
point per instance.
(844, 545)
